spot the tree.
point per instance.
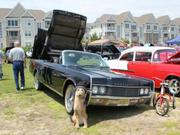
(94, 37)
(126, 41)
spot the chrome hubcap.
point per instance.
(174, 86)
(69, 99)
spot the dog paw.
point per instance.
(85, 126)
(76, 126)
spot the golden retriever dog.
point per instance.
(80, 115)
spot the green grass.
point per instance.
(13, 104)
(31, 105)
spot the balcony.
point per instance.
(111, 29)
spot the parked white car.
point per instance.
(155, 63)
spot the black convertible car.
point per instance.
(58, 62)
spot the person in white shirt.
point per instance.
(1, 62)
(17, 56)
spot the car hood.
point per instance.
(175, 59)
(105, 76)
(65, 32)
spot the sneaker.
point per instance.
(17, 89)
(22, 88)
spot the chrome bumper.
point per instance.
(120, 101)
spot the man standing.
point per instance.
(17, 56)
(1, 62)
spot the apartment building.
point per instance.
(167, 29)
(104, 26)
(148, 29)
(21, 24)
(126, 27)
(176, 21)
(143, 29)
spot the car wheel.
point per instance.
(174, 86)
(69, 99)
(37, 84)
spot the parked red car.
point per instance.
(156, 63)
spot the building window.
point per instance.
(0, 30)
(39, 25)
(0, 34)
(47, 23)
(172, 28)
(27, 33)
(155, 27)
(133, 27)
(29, 23)
(12, 23)
(165, 28)
(127, 26)
(13, 33)
(16, 23)
(148, 27)
(9, 23)
(1, 45)
(134, 34)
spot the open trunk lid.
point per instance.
(65, 32)
(175, 59)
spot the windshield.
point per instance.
(163, 55)
(83, 59)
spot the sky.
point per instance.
(95, 8)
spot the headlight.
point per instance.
(102, 90)
(141, 91)
(95, 90)
(146, 91)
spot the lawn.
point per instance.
(32, 112)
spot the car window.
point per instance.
(106, 51)
(83, 59)
(127, 56)
(94, 49)
(143, 56)
(163, 55)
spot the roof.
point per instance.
(164, 20)
(48, 15)
(4, 12)
(105, 17)
(38, 14)
(19, 11)
(146, 49)
(124, 16)
(147, 18)
(176, 21)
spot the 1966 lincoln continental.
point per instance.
(58, 62)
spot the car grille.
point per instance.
(124, 92)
